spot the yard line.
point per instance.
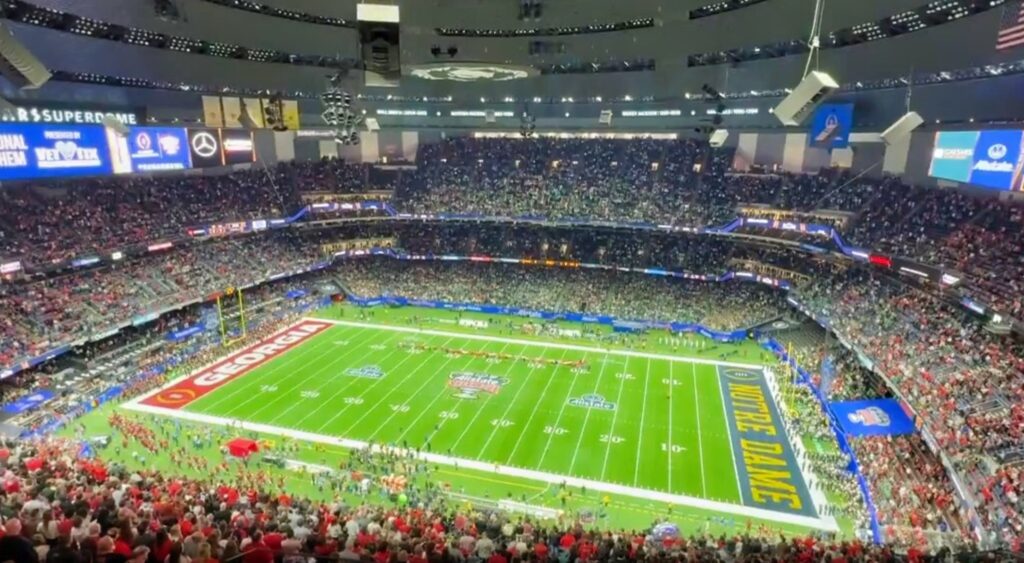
(586, 418)
(354, 381)
(668, 450)
(394, 387)
(561, 411)
(486, 402)
(282, 396)
(728, 428)
(615, 415)
(533, 414)
(643, 414)
(700, 439)
(509, 407)
(287, 360)
(437, 426)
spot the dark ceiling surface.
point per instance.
(673, 36)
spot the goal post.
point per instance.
(231, 316)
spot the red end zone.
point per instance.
(211, 377)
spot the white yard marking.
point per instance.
(316, 373)
(509, 408)
(394, 387)
(615, 416)
(700, 439)
(643, 414)
(668, 450)
(353, 382)
(533, 415)
(827, 524)
(583, 429)
(483, 406)
(561, 411)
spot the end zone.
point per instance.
(184, 390)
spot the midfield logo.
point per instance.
(469, 385)
(369, 372)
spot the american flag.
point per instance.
(1011, 28)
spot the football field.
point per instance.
(656, 425)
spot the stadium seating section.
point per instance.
(965, 383)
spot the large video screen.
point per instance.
(52, 151)
(831, 125)
(984, 158)
(31, 151)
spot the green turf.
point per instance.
(667, 433)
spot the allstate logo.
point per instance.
(997, 151)
(592, 401)
(869, 416)
(369, 372)
(740, 374)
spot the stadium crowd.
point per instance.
(726, 306)
(966, 384)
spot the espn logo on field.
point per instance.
(206, 380)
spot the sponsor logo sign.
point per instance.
(42, 151)
(592, 401)
(154, 149)
(369, 372)
(469, 385)
(208, 379)
(870, 416)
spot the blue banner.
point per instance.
(997, 158)
(29, 402)
(872, 417)
(831, 126)
(154, 149)
(184, 333)
(51, 151)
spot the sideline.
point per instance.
(551, 478)
(539, 344)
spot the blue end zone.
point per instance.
(769, 474)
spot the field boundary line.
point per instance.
(551, 478)
(539, 344)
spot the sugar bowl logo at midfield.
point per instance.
(469, 385)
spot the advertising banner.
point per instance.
(49, 151)
(831, 125)
(238, 146)
(156, 149)
(872, 417)
(984, 158)
(29, 402)
(204, 148)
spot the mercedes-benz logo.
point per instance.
(204, 144)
